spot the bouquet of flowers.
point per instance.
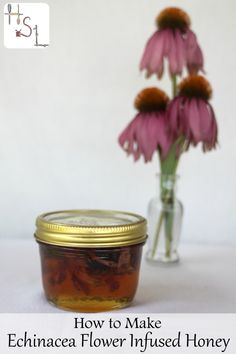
(170, 126)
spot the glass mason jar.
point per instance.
(90, 259)
(165, 214)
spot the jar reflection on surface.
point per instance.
(90, 279)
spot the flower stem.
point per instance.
(157, 234)
(174, 85)
(169, 219)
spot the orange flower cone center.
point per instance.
(174, 18)
(151, 99)
(195, 87)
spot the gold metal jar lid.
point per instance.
(90, 228)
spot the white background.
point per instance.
(62, 109)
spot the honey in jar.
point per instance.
(90, 258)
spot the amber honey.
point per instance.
(90, 280)
(90, 259)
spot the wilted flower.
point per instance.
(174, 41)
(190, 114)
(148, 130)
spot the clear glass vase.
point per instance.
(165, 214)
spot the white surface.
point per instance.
(203, 282)
(62, 109)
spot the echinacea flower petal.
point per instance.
(153, 56)
(173, 115)
(210, 125)
(165, 140)
(146, 133)
(194, 121)
(194, 55)
(127, 137)
(180, 51)
(184, 121)
(147, 55)
(214, 128)
(206, 119)
(172, 54)
(156, 59)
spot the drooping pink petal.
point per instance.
(194, 55)
(142, 138)
(156, 59)
(180, 51)
(151, 122)
(172, 54)
(176, 52)
(184, 120)
(153, 55)
(127, 137)
(149, 50)
(173, 115)
(214, 129)
(137, 148)
(206, 119)
(145, 134)
(167, 34)
(124, 137)
(194, 120)
(165, 140)
(159, 134)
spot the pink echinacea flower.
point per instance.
(148, 130)
(191, 115)
(174, 41)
